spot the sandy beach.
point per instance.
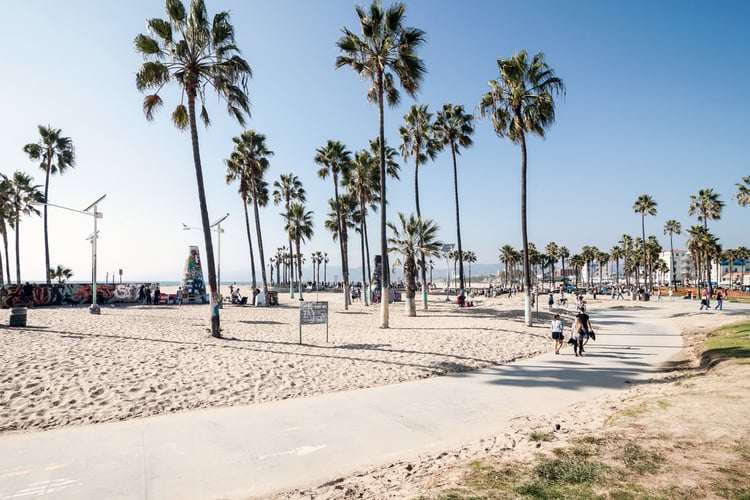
(68, 367)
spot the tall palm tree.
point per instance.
(249, 163)
(703, 245)
(288, 189)
(707, 205)
(552, 251)
(672, 227)
(361, 180)
(385, 51)
(299, 227)
(603, 259)
(454, 128)
(343, 217)
(336, 160)
(522, 102)
(743, 191)
(644, 205)
(417, 142)
(412, 236)
(56, 154)
(6, 221)
(24, 196)
(196, 53)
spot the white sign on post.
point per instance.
(313, 313)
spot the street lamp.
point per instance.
(94, 309)
(217, 227)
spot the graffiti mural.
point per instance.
(67, 294)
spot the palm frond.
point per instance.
(180, 117)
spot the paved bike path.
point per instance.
(255, 450)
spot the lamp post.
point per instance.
(216, 226)
(325, 263)
(94, 309)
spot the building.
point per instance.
(683, 269)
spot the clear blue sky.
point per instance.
(656, 104)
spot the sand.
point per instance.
(68, 367)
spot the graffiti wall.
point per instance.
(67, 294)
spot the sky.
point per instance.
(656, 104)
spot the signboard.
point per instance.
(313, 313)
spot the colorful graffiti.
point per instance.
(192, 276)
(67, 294)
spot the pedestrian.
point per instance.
(658, 294)
(582, 330)
(551, 301)
(671, 294)
(157, 295)
(704, 303)
(557, 333)
(719, 302)
(178, 300)
(28, 293)
(141, 295)
(147, 291)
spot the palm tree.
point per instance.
(617, 253)
(343, 216)
(336, 160)
(61, 273)
(412, 236)
(707, 205)
(249, 163)
(470, 257)
(521, 102)
(23, 197)
(299, 227)
(563, 253)
(508, 256)
(552, 252)
(672, 227)
(603, 259)
(196, 53)
(6, 221)
(417, 142)
(289, 189)
(56, 154)
(386, 49)
(361, 180)
(626, 242)
(743, 191)
(453, 127)
(577, 262)
(644, 205)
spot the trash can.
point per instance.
(18, 316)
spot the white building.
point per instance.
(682, 269)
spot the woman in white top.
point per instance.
(557, 333)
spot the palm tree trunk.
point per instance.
(46, 234)
(362, 248)
(344, 240)
(7, 259)
(386, 278)
(249, 238)
(214, 318)
(367, 250)
(671, 261)
(340, 226)
(260, 245)
(421, 254)
(411, 287)
(458, 221)
(525, 236)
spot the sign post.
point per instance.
(313, 313)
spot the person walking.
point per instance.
(557, 332)
(719, 302)
(583, 330)
(157, 295)
(551, 300)
(178, 300)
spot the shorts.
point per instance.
(557, 335)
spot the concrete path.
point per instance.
(255, 450)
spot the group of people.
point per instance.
(148, 296)
(581, 332)
(706, 301)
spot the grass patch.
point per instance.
(729, 342)
(640, 460)
(541, 436)
(571, 471)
